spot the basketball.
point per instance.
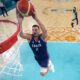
(25, 7)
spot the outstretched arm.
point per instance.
(25, 35)
(20, 19)
(44, 31)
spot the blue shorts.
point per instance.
(43, 62)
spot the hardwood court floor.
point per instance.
(56, 15)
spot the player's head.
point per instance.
(74, 7)
(35, 30)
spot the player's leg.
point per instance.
(44, 66)
(72, 25)
(2, 11)
(51, 66)
(47, 65)
(76, 21)
(5, 11)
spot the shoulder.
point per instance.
(42, 37)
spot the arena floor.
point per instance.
(56, 15)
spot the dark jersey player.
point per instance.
(38, 45)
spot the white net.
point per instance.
(10, 64)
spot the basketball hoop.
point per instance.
(9, 49)
(5, 45)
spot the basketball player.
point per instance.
(39, 46)
(75, 18)
(3, 9)
(75, 15)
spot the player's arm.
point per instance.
(22, 34)
(25, 35)
(44, 31)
